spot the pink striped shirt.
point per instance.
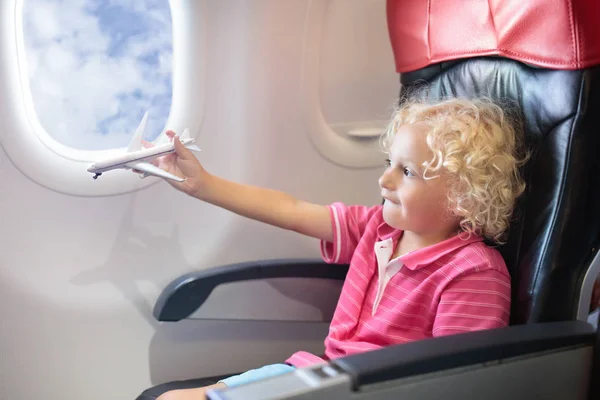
(454, 286)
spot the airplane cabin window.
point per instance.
(95, 67)
(78, 76)
(347, 51)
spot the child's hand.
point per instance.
(181, 163)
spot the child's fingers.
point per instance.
(164, 161)
(170, 134)
(181, 150)
(147, 144)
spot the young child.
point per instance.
(419, 267)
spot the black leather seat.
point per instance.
(552, 250)
(556, 232)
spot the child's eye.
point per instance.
(407, 172)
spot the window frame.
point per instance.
(61, 168)
(352, 144)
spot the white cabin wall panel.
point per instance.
(79, 276)
(358, 80)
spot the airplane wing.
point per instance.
(136, 141)
(150, 169)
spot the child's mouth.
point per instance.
(395, 203)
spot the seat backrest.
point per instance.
(556, 230)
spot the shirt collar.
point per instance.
(420, 258)
(384, 232)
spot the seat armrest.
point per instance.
(442, 353)
(187, 293)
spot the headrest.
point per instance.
(556, 231)
(559, 34)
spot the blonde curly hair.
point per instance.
(476, 142)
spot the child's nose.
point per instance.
(385, 180)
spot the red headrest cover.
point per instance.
(558, 34)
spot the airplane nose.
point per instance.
(91, 168)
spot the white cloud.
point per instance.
(95, 66)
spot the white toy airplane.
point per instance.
(137, 156)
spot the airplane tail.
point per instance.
(136, 141)
(191, 146)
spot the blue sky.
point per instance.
(95, 67)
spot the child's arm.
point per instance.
(269, 206)
(265, 205)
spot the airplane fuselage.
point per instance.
(122, 160)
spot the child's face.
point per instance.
(413, 203)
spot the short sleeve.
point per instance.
(348, 226)
(475, 301)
